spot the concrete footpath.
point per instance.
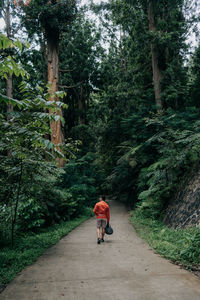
(122, 268)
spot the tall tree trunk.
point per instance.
(157, 73)
(9, 86)
(53, 77)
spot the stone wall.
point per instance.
(184, 210)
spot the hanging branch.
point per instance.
(67, 70)
(71, 86)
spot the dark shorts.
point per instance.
(101, 223)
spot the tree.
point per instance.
(166, 35)
(23, 138)
(157, 73)
(53, 18)
(79, 69)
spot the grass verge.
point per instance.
(29, 247)
(181, 246)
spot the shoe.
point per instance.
(98, 241)
(102, 240)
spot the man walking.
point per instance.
(102, 212)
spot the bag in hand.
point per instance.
(108, 229)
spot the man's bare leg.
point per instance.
(103, 233)
(98, 233)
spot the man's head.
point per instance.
(102, 198)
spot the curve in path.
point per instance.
(122, 268)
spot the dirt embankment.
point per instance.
(184, 210)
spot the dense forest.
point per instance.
(96, 97)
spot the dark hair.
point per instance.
(103, 197)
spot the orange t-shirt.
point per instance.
(102, 210)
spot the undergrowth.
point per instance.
(30, 246)
(180, 246)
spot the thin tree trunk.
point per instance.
(81, 106)
(9, 86)
(9, 93)
(122, 58)
(157, 73)
(53, 77)
(43, 47)
(14, 218)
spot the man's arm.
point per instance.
(108, 214)
(95, 209)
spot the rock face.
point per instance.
(184, 210)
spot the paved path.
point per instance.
(123, 268)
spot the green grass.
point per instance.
(180, 246)
(29, 247)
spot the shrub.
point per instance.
(31, 215)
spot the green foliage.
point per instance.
(83, 179)
(52, 16)
(7, 64)
(126, 89)
(191, 253)
(24, 149)
(158, 154)
(80, 55)
(31, 215)
(85, 135)
(194, 79)
(180, 246)
(176, 142)
(168, 39)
